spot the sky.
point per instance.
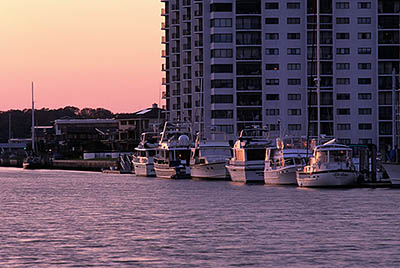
(82, 53)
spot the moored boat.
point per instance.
(209, 158)
(330, 166)
(247, 162)
(283, 160)
(172, 160)
(144, 155)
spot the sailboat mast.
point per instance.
(318, 77)
(33, 122)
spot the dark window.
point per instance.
(273, 5)
(221, 114)
(221, 7)
(221, 23)
(294, 96)
(248, 53)
(364, 20)
(293, 51)
(342, 5)
(345, 20)
(364, 66)
(293, 66)
(293, 5)
(343, 51)
(364, 96)
(294, 111)
(293, 20)
(364, 50)
(272, 82)
(294, 127)
(221, 38)
(272, 97)
(222, 83)
(342, 35)
(272, 36)
(272, 112)
(364, 126)
(293, 36)
(343, 96)
(221, 53)
(364, 111)
(248, 23)
(364, 81)
(221, 99)
(271, 20)
(343, 81)
(364, 35)
(342, 66)
(294, 81)
(221, 68)
(272, 51)
(343, 111)
(343, 126)
(364, 5)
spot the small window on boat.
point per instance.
(255, 154)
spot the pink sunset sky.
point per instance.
(83, 53)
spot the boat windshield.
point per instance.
(333, 156)
(255, 154)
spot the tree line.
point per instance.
(21, 120)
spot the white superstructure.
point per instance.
(144, 154)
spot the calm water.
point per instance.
(80, 219)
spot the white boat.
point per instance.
(393, 171)
(330, 166)
(283, 160)
(209, 158)
(172, 160)
(247, 162)
(144, 154)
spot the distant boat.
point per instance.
(144, 154)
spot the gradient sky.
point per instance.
(83, 53)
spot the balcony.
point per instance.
(176, 50)
(175, 64)
(187, 61)
(187, 46)
(187, 105)
(163, 67)
(198, 13)
(187, 90)
(186, 17)
(175, 35)
(176, 78)
(164, 39)
(198, 43)
(187, 32)
(163, 12)
(164, 95)
(198, 58)
(164, 53)
(164, 80)
(187, 76)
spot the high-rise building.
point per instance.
(232, 63)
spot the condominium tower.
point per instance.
(235, 63)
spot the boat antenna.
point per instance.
(33, 123)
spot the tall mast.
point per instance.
(33, 122)
(318, 79)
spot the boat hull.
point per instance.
(144, 169)
(215, 171)
(282, 176)
(246, 174)
(333, 178)
(166, 172)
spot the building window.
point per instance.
(221, 53)
(221, 23)
(228, 129)
(294, 127)
(342, 66)
(248, 23)
(272, 21)
(364, 96)
(293, 5)
(364, 111)
(294, 111)
(273, 5)
(364, 81)
(292, 36)
(222, 83)
(343, 51)
(272, 51)
(294, 81)
(293, 20)
(345, 20)
(364, 20)
(364, 5)
(221, 99)
(248, 53)
(221, 114)
(272, 36)
(272, 97)
(293, 51)
(343, 126)
(221, 7)
(272, 67)
(364, 66)
(272, 112)
(343, 111)
(273, 127)
(364, 126)
(343, 96)
(294, 97)
(293, 66)
(342, 35)
(364, 35)
(364, 50)
(221, 68)
(343, 81)
(221, 38)
(272, 82)
(344, 141)
(342, 5)
(365, 141)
